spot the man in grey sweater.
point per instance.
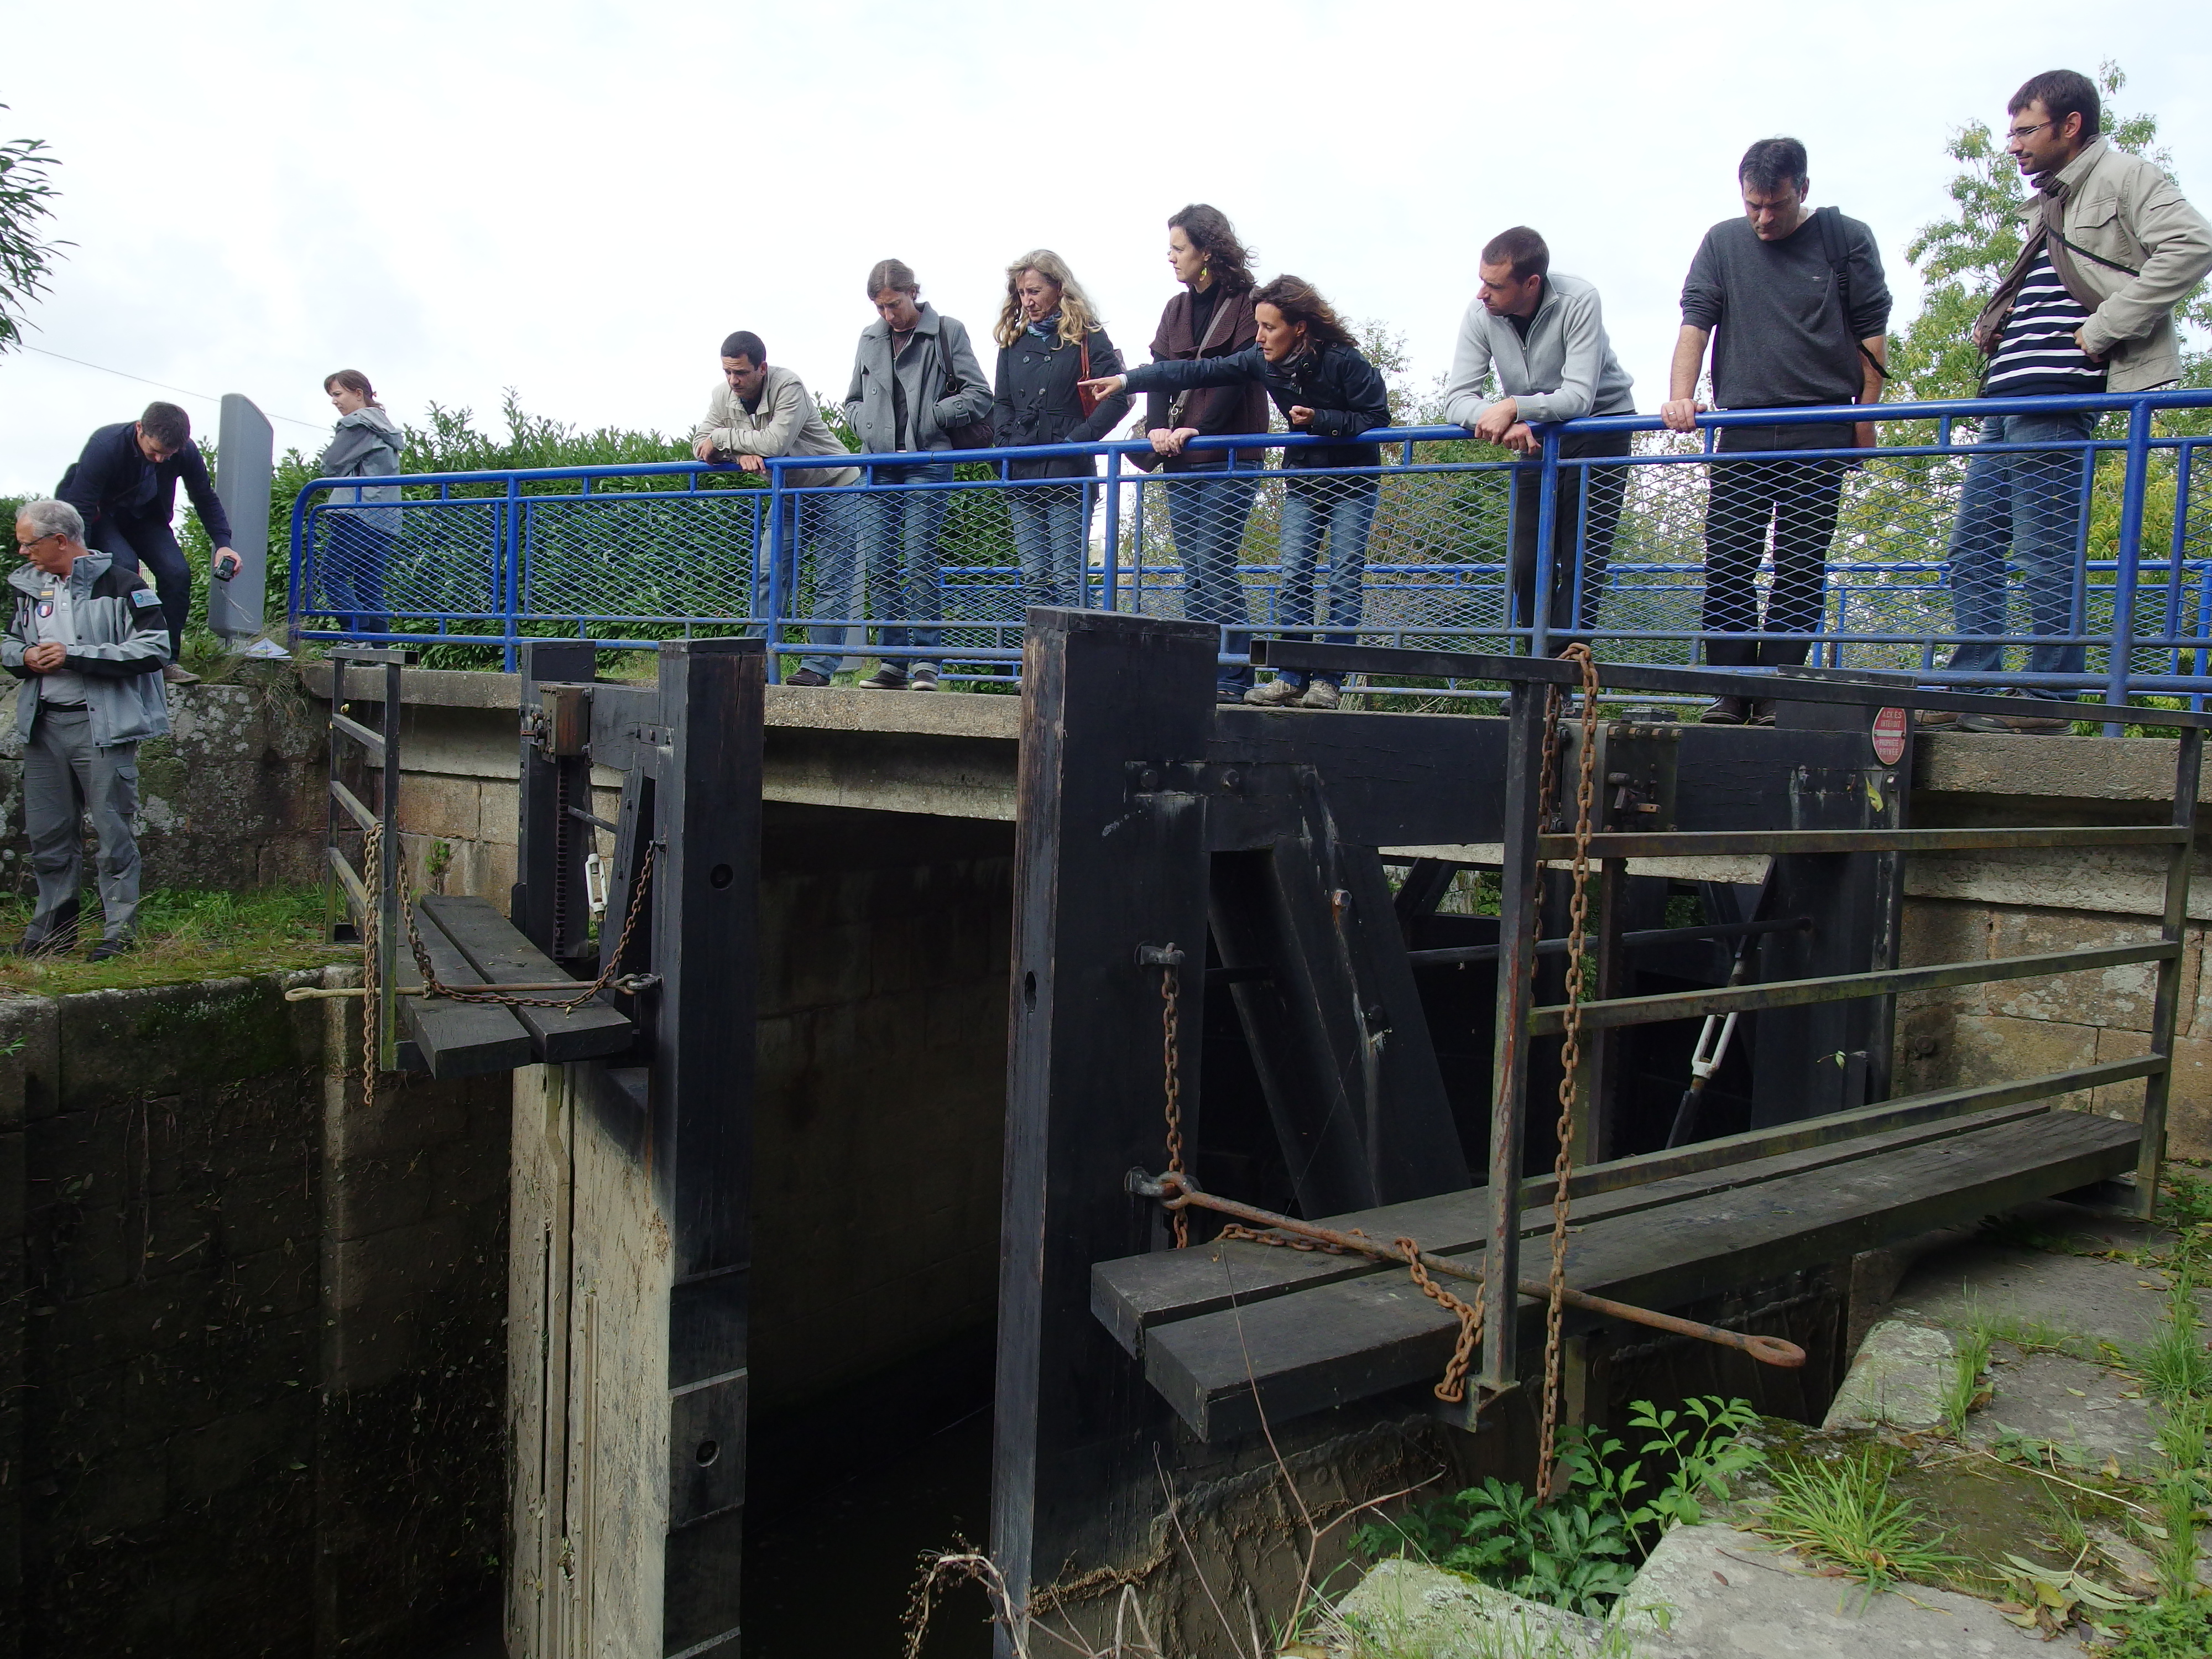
(1802, 314)
(760, 410)
(1543, 338)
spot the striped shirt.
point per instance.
(2036, 357)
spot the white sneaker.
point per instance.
(1319, 694)
(1274, 694)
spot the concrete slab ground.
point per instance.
(1733, 1596)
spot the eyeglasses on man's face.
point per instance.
(2019, 133)
(23, 546)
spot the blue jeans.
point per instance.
(817, 537)
(898, 546)
(2031, 503)
(352, 571)
(151, 545)
(1052, 538)
(1207, 515)
(1343, 510)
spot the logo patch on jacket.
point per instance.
(144, 596)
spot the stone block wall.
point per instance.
(250, 1355)
(232, 797)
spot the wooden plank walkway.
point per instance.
(1227, 1330)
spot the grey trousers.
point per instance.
(65, 777)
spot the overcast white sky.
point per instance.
(578, 200)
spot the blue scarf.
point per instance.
(1045, 327)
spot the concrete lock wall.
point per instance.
(251, 1362)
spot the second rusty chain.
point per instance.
(1570, 1035)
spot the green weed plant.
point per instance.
(1581, 1550)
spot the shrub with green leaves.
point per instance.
(1581, 1550)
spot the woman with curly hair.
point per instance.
(1049, 341)
(1210, 490)
(1311, 369)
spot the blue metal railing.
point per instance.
(621, 555)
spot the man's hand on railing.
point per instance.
(1166, 443)
(1497, 420)
(1301, 415)
(1680, 414)
(751, 463)
(1501, 423)
(704, 449)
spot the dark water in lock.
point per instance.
(831, 1571)
(845, 1490)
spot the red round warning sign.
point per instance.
(1889, 736)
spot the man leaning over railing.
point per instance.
(760, 410)
(1777, 349)
(2088, 307)
(1545, 337)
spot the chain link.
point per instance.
(372, 862)
(1571, 1038)
(372, 869)
(611, 963)
(1453, 1387)
(1171, 1070)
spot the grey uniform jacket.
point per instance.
(365, 444)
(2138, 247)
(930, 414)
(1564, 370)
(123, 640)
(785, 423)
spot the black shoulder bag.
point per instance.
(968, 434)
(1830, 220)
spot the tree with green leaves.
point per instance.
(26, 193)
(1962, 259)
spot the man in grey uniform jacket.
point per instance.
(88, 638)
(1543, 335)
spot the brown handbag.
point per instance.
(1088, 398)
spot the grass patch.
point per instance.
(184, 933)
(2174, 1365)
(1843, 1513)
(2029, 1334)
(1963, 1390)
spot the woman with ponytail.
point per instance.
(365, 445)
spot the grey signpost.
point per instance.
(245, 450)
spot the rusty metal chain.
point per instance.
(371, 861)
(1453, 1387)
(609, 971)
(372, 869)
(1171, 1071)
(1569, 1046)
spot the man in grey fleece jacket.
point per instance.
(1542, 337)
(760, 410)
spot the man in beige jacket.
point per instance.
(759, 411)
(2111, 249)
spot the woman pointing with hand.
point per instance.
(1306, 361)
